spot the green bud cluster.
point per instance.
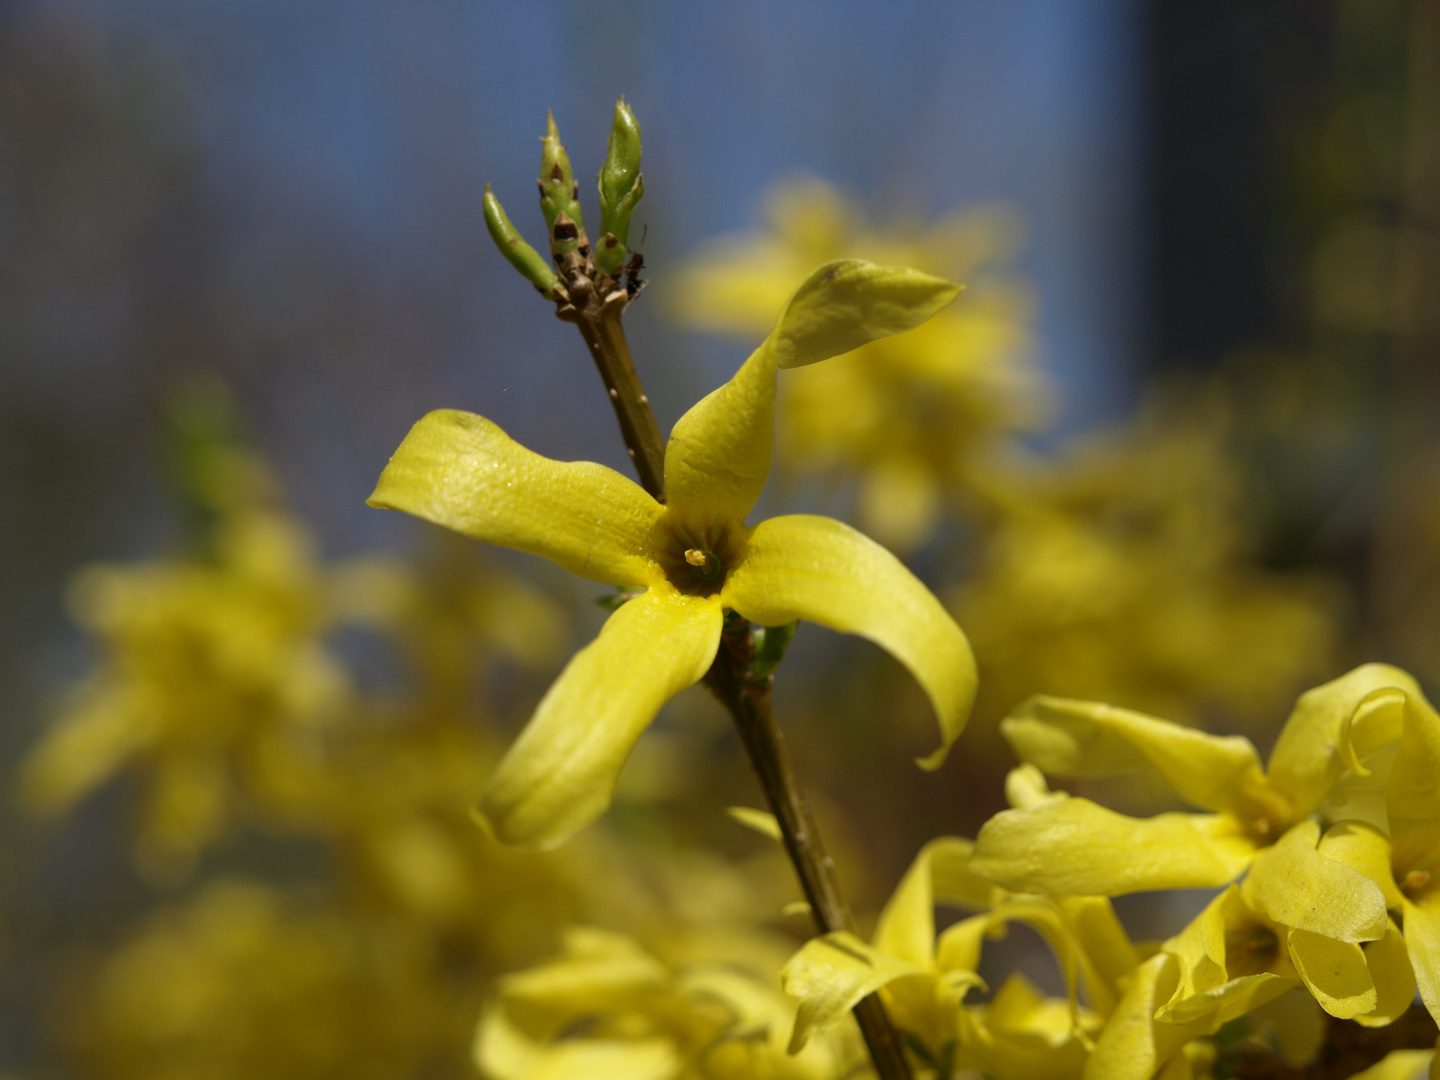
(573, 266)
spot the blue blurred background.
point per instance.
(288, 194)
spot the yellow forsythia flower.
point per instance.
(696, 557)
(1074, 846)
(216, 680)
(1018, 1033)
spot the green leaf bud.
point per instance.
(533, 266)
(559, 194)
(621, 188)
(770, 645)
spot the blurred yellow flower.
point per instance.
(1116, 571)
(696, 557)
(608, 1009)
(216, 680)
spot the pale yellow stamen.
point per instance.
(695, 557)
(1415, 880)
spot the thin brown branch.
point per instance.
(601, 328)
(748, 702)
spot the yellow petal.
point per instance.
(1134, 1045)
(82, 751)
(1376, 721)
(561, 772)
(815, 568)
(1026, 786)
(1208, 986)
(850, 302)
(1043, 916)
(1335, 972)
(830, 975)
(608, 1059)
(1076, 847)
(959, 946)
(1394, 979)
(1398, 1065)
(1422, 941)
(1412, 791)
(1297, 1023)
(1361, 847)
(600, 971)
(762, 821)
(719, 454)
(906, 927)
(1304, 763)
(1065, 737)
(951, 878)
(1292, 884)
(1106, 954)
(461, 471)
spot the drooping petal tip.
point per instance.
(561, 772)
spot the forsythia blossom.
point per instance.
(695, 556)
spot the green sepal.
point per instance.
(559, 195)
(622, 186)
(533, 266)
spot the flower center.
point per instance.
(1416, 866)
(1250, 949)
(695, 559)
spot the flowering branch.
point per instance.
(594, 298)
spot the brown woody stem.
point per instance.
(748, 701)
(746, 697)
(601, 328)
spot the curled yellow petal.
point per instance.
(1076, 847)
(1134, 1045)
(1304, 763)
(1412, 791)
(561, 772)
(461, 471)
(849, 303)
(1335, 972)
(906, 927)
(1229, 962)
(1394, 978)
(830, 974)
(720, 452)
(1294, 885)
(815, 568)
(1065, 737)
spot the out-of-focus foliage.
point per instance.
(606, 1007)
